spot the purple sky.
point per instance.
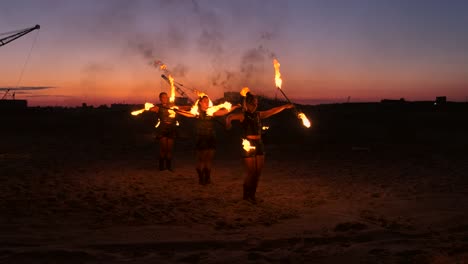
(100, 51)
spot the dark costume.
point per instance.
(167, 126)
(205, 140)
(205, 132)
(252, 126)
(167, 129)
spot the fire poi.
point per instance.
(279, 82)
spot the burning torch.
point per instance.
(279, 82)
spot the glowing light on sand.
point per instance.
(278, 80)
(305, 120)
(246, 145)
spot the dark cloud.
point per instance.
(26, 88)
(48, 95)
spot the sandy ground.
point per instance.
(63, 201)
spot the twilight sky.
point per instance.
(100, 52)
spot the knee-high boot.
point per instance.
(161, 164)
(169, 164)
(200, 176)
(207, 176)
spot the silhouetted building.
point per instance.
(182, 101)
(441, 100)
(13, 104)
(233, 97)
(392, 101)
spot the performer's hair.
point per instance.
(249, 98)
(201, 98)
(161, 94)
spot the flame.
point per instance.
(305, 120)
(194, 109)
(171, 80)
(265, 127)
(246, 145)
(148, 106)
(137, 112)
(172, 113)
(157, 124)
(278, 80)
(212, 109)
(159, 64)
(244, 91)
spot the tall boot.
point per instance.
(249, 194)
(207, 176)
(169, 164)
(161, 164)
(200, 176)
(246, 192)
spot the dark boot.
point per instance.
(246, 193)
(161, 164)
(249, 194)
(207, 176)
(200, 176)
(169, 164)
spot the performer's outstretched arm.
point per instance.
(224, 111)
(232, 117)
(274, 111)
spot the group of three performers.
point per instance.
(205, 144)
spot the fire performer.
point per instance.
(166, 130)
(205, 143)
(252, 152)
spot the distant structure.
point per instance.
(440, 100)
(392, 101)
(126, 107)
(233, 97)
(182, 101)
(13, 104)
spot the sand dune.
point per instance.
(93, 196)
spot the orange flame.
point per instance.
(244, 91)
(172, 113)
(148, 106)
(194, 109)
(212, 109)
(305, 120)
(172, 97)
(246, 145)
(278, 80)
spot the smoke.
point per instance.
(91, 74)
(185, 27)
